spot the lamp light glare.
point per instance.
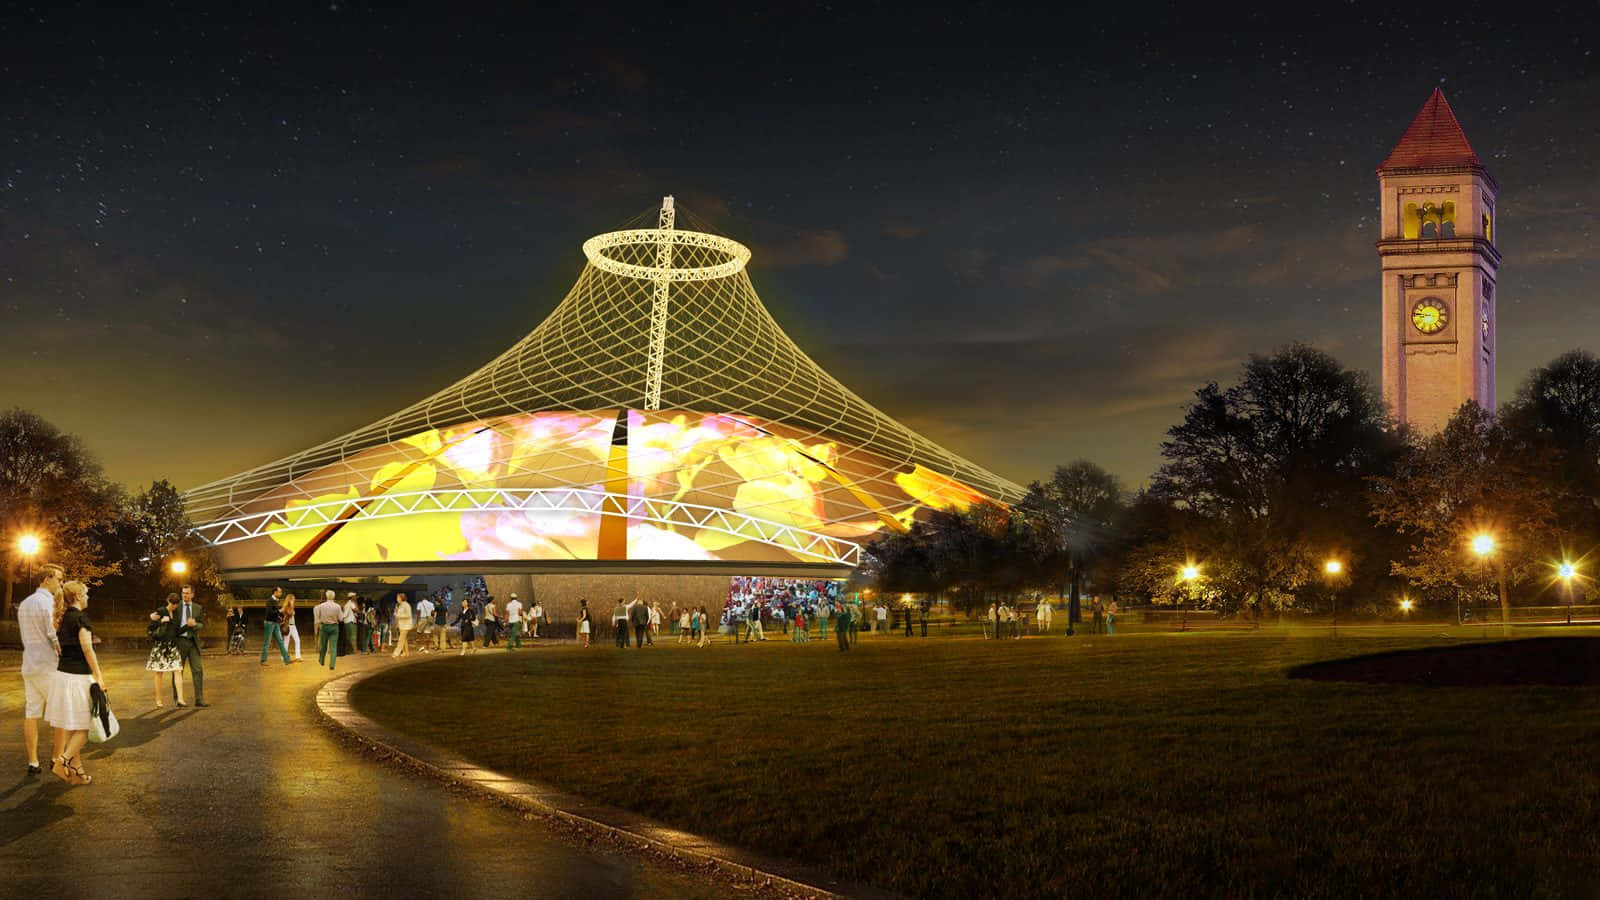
(1405, 605)
(1567, 570)
(1333, 567)
(1483, 545)
(1190, 573)
(179, 567)
(28, 544)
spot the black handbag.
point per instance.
(102, 722)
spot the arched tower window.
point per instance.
(1488, 229)
(1436, 220)
(1410, 222)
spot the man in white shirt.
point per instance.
(40, 656)
(425, 623)
(347, 620)
(514, 618)
(328, 617)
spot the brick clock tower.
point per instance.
(1436, 242)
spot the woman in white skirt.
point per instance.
(291, 634)
(164, 656)
(67, 710)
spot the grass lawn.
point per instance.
(1133, 765)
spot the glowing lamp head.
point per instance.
(1333, 567)
(1483, 545)
(1405, 605)
(179, 567)
(28, 544)
(1190, 573)
(1567, 570)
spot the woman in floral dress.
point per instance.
(164, 657)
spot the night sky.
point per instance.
(226, 237)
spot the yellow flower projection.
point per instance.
(931, 489)
(428, 536)
(702, 461)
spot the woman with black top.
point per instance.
(164, 656)
(67, 709)
(465, 623)
(584, 626)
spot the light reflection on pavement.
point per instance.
(254, 796)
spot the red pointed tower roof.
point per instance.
(1434, 140)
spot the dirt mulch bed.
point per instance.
(1567, 661)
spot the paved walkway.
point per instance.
(254, 796)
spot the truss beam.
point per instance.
(811, 544)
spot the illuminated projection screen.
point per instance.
(537, 487)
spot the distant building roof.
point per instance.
(1434, 140)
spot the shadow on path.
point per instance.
(137, 730)
(40, 797)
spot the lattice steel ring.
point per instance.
(595, 247)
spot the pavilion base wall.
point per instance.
(560, 595)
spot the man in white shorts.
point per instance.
(40, 656)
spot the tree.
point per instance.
(1272, 471)
(971, 555)
(1074, 515)
(153, 531)
(1561, 402)
(51, 487)
(1476, 476)
(901, 563)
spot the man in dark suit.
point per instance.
(191, 618)
(639, 614)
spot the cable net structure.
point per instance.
(658, 413)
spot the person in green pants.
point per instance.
(271, 632)
(514, 616)
(326, 615)
(347, 618)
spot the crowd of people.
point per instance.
(367, 625)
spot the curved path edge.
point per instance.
(629, 829)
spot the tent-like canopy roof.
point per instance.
(658, 416)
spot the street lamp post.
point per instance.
(28, 545)
(1566, 570)
(1189, 575)
(1331, 569)
(1483, 546)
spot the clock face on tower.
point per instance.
(1429, 315)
